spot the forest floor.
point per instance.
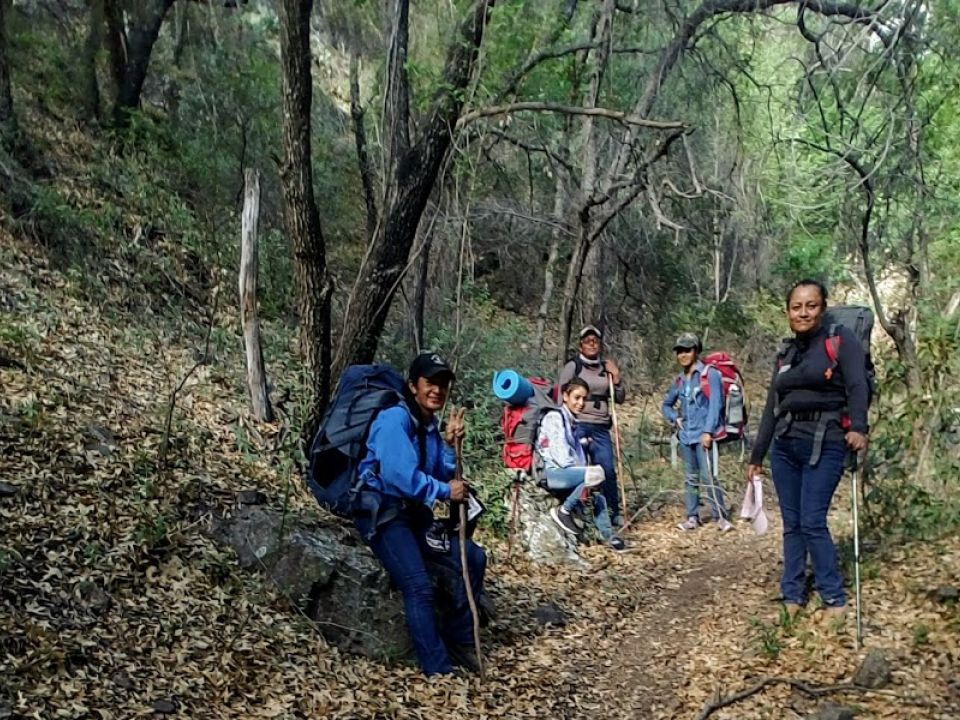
(114, 603)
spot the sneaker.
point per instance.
(834, 613)
(691, 523)
(465, 656)
(724, 525)
(617, 544)
(565, 520)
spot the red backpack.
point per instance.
(520, 424)
(733, 409)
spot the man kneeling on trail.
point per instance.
(412, 467)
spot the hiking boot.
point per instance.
(565, 520)
(691, 523)
(617, 544)
(724, 525)
(486, 609)
(465, 656)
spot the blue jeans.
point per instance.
(804, 493)
(696, 471)
(413, 567)
(571, 478)
(600, 452)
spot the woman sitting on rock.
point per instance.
(565, 466)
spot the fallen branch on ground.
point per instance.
(809, 690)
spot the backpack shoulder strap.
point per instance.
(832, 344)
(785, 354)
(705, 379)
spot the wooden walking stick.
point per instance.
(616, 445)
(458, 447)
(514, 513)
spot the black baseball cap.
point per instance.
(429, 365)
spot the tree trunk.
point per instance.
(116, 41)
(91, 46)
(410, 180)
(360, 138)
(420, 295)
(572, 286)
(597, 65)
(559, 202)
(8, 121)
(143, 34)
(249, 317)
(300, 213)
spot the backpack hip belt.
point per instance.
(823, 419)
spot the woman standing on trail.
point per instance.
(595, 419)
(566, 469)
(816, 411)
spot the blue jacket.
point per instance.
(392, 462)
(699, 413)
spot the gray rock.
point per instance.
(832, 711)
(251, 497)
(100, 440)
(92, 596)
(329, 573)
(8, 490)
(550, 614)
(539, 536)
(946, 594)
(874, 671)
(122, 680)
(164, 707)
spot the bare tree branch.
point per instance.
(618, 116)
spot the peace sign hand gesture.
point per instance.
(455, 428)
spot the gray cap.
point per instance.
(687, 341)
(590, 330)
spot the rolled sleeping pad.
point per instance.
(511, 387)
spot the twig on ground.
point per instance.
(807, 689)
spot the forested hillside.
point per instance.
(481, 178)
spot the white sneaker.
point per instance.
(724, 525)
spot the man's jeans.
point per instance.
(411, 565)
(571, 478)
(696, 471)
(804, 493)
(600, 452)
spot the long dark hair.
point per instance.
(808, 282)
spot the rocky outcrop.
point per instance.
(328, 572)
(539, 536)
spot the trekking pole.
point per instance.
(856, 547)
(713, 460)
(616, 444)
(465, 571)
